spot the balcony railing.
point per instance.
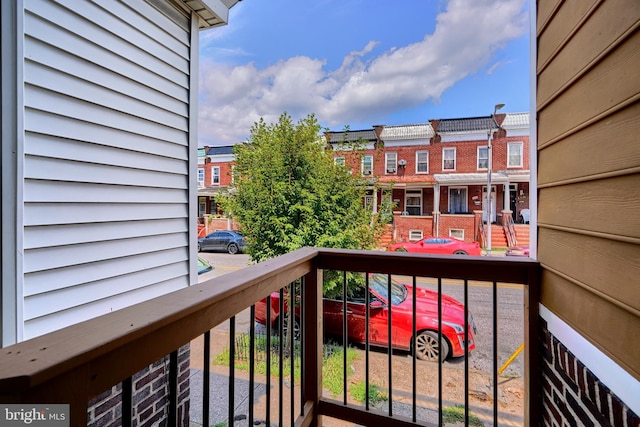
(75, 364)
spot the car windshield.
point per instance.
(380, 285)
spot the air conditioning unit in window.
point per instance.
(391, 171)
(402, 163)
(367, 172)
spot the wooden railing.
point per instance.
(510, 231)
(77, 363)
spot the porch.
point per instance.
(78, 363)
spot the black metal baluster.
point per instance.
(466, 353)
(292, 350)
(390, 351)
(206, 379)
(232, 368)
(303, 321)
(252, 362)
(413, 360)
(344, 337)
(173, 388)
(268, 362)
(440, 355)
(280, 355)
(367, 301)
(127, 394)
(495, 353)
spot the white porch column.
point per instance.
(436, 208)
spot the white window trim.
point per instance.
(363, 162)
(213, 175)
(387, 157)
(415, 235)
(427, 162)
(413, 193)
(200, 175)
(455, 163)
(339, 160)
(453, 230)
(514, 144)
(478, 158)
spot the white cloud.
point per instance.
(466, 36)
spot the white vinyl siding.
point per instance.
(106, 159)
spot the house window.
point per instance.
(367, 164)
(458, 200)
(215, 175)
(339, 161)
(413, 202)
(200, 177)
(368, 201)
(391, 162)
(415, 235)
(448, 159)
(514, 155)
(456, 233)
(422, 162)
(483, 158)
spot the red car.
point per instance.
(438, 245)
(426, 340)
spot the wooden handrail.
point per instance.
(123, 342)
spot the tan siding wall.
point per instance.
(588, 94)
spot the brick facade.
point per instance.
(572, 394)
(150, 390)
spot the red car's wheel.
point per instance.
(427, 348)
(460, 252)
(401, 249)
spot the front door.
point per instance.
(513, 200)
(493, 204)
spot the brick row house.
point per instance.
(435, 173)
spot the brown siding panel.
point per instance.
(608, 85)
(598, 34)
(567, 17)
(604, 324)
(608, 145)
(580, 257)
(608, 206)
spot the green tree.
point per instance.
(289, 193)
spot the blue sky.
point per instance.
(360, 63)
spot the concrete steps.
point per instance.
(522, 234)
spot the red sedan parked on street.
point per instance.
(438, 245)
(426, 338)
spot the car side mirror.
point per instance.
(377, 304)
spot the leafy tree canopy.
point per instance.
(289, 193)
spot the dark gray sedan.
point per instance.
(222, 240)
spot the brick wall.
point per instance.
(458, 222)
(403, 223)
(572, 395)
(149, 397)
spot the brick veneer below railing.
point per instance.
(149, 396)
(572, 394)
